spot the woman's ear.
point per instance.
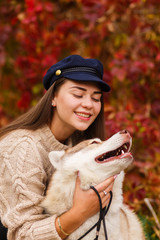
(53, 103)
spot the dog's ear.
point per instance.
(55, 158)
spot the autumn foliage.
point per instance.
(125, 36)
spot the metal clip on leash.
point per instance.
(103, 212)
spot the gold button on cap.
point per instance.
(58, 72)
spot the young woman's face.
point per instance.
(76, 106)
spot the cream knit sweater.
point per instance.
(25, 170)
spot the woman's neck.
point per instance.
(61, 134)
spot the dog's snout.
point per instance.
(123, 132)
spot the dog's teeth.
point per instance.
(122, 152)
(101, 158)
(125, 146)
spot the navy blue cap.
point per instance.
(76, 68)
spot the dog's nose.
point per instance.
(123, 132)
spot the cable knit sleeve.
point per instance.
(22, 185)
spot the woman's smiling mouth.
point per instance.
(83, 116)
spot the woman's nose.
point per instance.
(87, 102)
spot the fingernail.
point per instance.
(115, 176)
(78, 174)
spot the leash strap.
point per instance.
(103, 212)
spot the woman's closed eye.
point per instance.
(77, 95)
(96, 99)
(81, 96)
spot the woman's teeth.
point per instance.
(83, 115)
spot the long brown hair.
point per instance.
(42, 113)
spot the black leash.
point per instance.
(103, 212)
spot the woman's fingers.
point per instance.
(105, 185)
(105, 200)
(86, 202)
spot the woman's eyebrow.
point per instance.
(80, 88)
(97, 92)
(84, 89)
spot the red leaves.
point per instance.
(48, 6)
(2, 56)
(90, 3)
(144, 165)
(119, 73)
(24, 102)
(158, 57)
(30, 4)
(155, 108)
(135, 192)
(66, 27)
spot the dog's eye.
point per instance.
(95, 142)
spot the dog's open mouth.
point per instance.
(105, 157)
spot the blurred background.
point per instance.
(125, 36)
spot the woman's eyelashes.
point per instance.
(96, 99)
(81, 96)
(77, 96)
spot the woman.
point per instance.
(70, 111)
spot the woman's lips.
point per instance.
(84, 116)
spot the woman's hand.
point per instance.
(86, 202)
(85, 205)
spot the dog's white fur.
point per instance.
(121, 222)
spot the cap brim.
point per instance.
(86, 77)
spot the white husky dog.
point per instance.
(96, 161)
